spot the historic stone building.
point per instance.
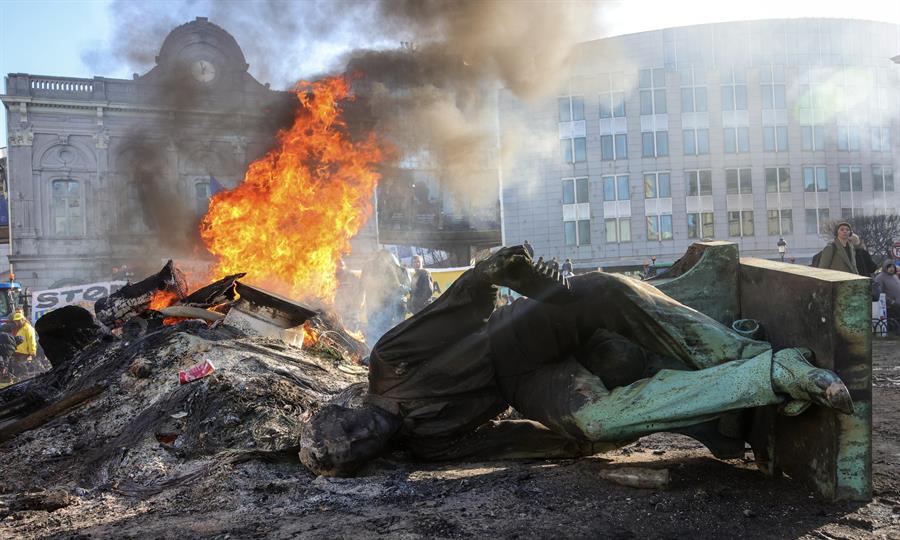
(105, 172)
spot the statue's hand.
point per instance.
(793, 375)
(513, 267)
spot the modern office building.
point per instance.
(747, 131)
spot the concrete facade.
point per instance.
(74, 215)
(800, 100)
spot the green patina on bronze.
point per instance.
(854, 464)
(706, 279)
(853, 315)
(825, 310)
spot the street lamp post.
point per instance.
(782, 247)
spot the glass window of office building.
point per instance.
(652, 84)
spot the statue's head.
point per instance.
(338, 440)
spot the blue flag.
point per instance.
(214, 186)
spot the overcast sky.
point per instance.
(52, 37)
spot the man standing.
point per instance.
(422, 286)
(839, 253)
(864, 262)
(528, 248)
(348, 296)
(888, 283)
(8, 345)
(386, 285)
(22, 362)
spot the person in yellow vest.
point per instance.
(23, 358)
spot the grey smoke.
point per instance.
(461, 53)
(152, 144)
(437, 93)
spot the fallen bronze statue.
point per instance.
(141, 399)
(589, 363)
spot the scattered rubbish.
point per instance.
(167, 439)
(353, 369)
(110, 389)
(637, 477)
(196, 372)
(132, 300)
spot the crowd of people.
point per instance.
(385, 293)
(848, 253)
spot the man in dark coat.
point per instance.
(385, 285)
(864, 262)
(8, 345)
(422, 288)
(592, 363)
(888, 283)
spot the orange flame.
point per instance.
(292, 217)
(162, 299)
(310, 335)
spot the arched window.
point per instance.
(66, 208)
(134, 210)
(201, 197)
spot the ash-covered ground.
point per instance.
(213, 459)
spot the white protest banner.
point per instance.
(84, 295)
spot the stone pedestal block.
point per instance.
(798, 306)
(829, 312)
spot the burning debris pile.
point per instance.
(162, 385)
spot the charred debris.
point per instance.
(158, 385)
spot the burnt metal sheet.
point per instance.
(282, 311)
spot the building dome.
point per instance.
(201, 39)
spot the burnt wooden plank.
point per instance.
(44, 415)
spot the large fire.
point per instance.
(292, 217)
